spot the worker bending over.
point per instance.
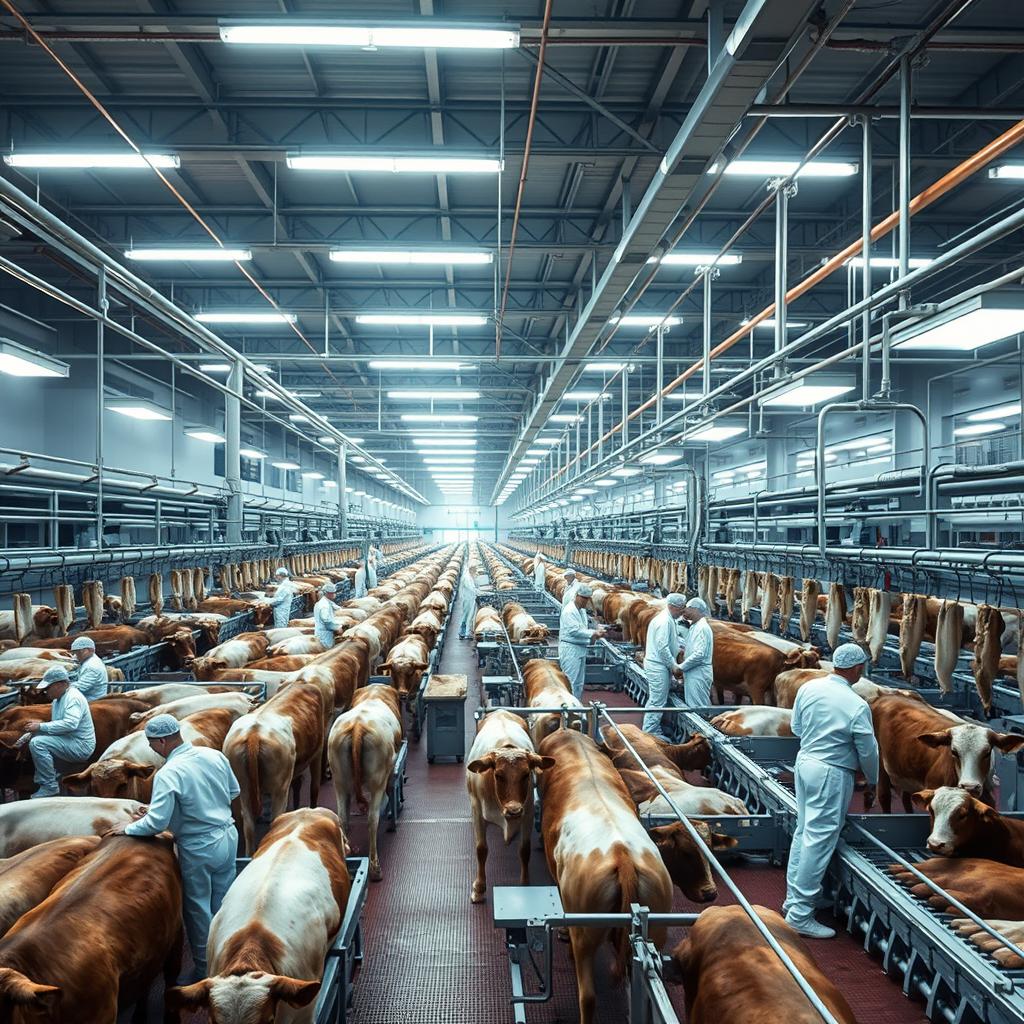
(574, 636)
(281, 599)
(660, 666)
(699, 655)
(69, 734)
(192, 794)
(539, 573)
(325, 626)
(571, 587)
(92, 678)
(836, 738)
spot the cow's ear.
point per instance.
(22, 991)
(720, 841)
(541, 762)
(936, 739)
(923, 798)
(1007, 742)
(293, 991)
(140, 771)
(188, 997)
(481, 764)
(76, 785)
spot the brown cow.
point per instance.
(723, 945)
(380, 630)
(547, 686)
(986, 887)
(522, 627)
(693, 755)
(963, 826)
(262, 612)
(748, 667)
(45, 624)
(235, 653)
(109, 641)
(427, 624)
(406, 664)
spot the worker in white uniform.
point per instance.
(574, 636)
(699, 652)
(571, 587)
(92, 673)
(371, 570)
(68, 735)
(660, 665)
(359, 584)
(281, 600)
(836, 738)
(192, 794)
(539, 573)
(325, 626)
(468, 590)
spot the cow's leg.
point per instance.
(373, 825)
(585, 942)
(908, 802)
(279, 800)
(525, 828)
(480, 832)
(884, 791)
(249, 829)
(316, 775)
(172, 969)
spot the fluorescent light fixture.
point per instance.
(887, 262)
(713, 433)
(460, 395)
(438, 417)
(542, 452)
(358, 460)
(661, 458)
(138, 409)
(626, 471)
(440, 462)
(603, 367)
(528, 463)
(576, 497)
(770, 323)
(251, 453)
(586, 490)
(394, 163)
(1007, 172)
(682, 396)
(226, 367)
(298, 417)
(443, 443)
(312, 475)
(978, 429)
(243, 317)
(784, 168)
(586, 396)
(807, 458)
(646, 320)
(193, 254)
(91, 161)
(807, 391)
(547, 440)
(421, 365)
(858, 442)
(698, 259)
(996, 413)
(426, 33)
(286, 465)
(359, 494)
(423, 319)
(353, 440)
(413, 257)
(330, 483)
(967, 325)
(563, 417)
(209, 436)
(19, 361)
(607, 481)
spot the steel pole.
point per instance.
(709, 275)
(659, 372)
(625, 406)
(865, 277)
(343, 490)
(103, 305)
(781, 259)
(906, 83)
(232, 458)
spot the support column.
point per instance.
(903, 236)
(625, 407)
(232, 459)
(343, 490)
(710, 273)
(783, 193)
(865, 227)
(101, 288)
(659, 373)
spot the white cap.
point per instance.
(569, 572)
(328, 588)
(848, 656)
(57, 674)
(585, 590)
(282, 571)
(699, 604)
(676, 601)
(83, 643)
(162, 726)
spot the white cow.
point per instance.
(28, 823)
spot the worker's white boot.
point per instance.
(811, 929)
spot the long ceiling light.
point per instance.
(380, 163)
(446, 451)
(626, 471)
(436, 396)
(807, 391)
(438, 417)
(138, 409)
(419, 366)
(698, 259)
(19, 361)
(784, 168)
(645, 320)
(997, 413)
(445, 442)
(966, 325)
(423, 319)
(91, 161)
(563, 417)
(661, 458)
(978, 429)
(414, 257)
(887, 262)
(1007, 172)
(586, 396)
(770, 323)
(191, 254)
(713, 433)
(286, 465)
(425, 33)
(251, 453)
(243, 317)
(209, 436)
(603, 367)
(226, 367)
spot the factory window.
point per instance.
(251, 469)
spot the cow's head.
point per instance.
(512, 769)
(180, 649)
(956, 818)
(22, 999)
(262, 613)
(684, 860)
(971, 749)
(803, 657)
(694, 755)
(250, 998)
(116, 779)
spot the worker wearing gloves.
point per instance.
(539, 573)
(69, 734)
(571, 587)
(281, 601)
(359, 584)
(371, 569)
(660, 661)
(92, 673)
(574, 636)
(325, 626)
(192, 794)
(698, 656)
(836, 738)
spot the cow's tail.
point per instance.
(629, 893)
(357, 765)
(252, 755)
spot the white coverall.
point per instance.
(68, 735)
(192, 796)
(696, 666)
(92, 678)
(570, 594)
(371, 571)
(540, 575)
(359, 586)
(281, 602)
(467, 594)
(836, 737)
(659, 660)
(324, 623)
(574, 635)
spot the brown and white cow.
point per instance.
(748, 667)
(299, 644)
(118, 914)
(755, 721)
(723, 945)
(499, 778)
(487, 620)
(27, 823)
(380, 630)
(38, 653)
(522, 627)
(165, 693)
(235, 701)
(406, 664)
(547, 686)
(427, 624)
(272, 933)
(29, 877)
(362, 748)
(235, 653)
(962, 826)
(922, 748)
(600, 855)
(272, 747)
(693, 755)
(45, 624)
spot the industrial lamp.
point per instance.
(966, 325)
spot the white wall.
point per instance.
(474, 520)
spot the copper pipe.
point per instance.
(534, 101)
